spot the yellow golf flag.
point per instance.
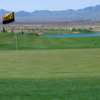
(8, 18)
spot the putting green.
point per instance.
(50, 63)
(70, 74)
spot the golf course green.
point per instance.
(64, 74)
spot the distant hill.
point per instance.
(86, 14)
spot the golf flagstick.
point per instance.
(16, 41)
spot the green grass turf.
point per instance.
(50, 89)
(71, 74)
(29, 41)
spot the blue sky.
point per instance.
(31, 5)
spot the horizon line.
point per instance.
(49, 9)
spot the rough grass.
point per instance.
(71, 74)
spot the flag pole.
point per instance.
(9, 18)
(16, 41)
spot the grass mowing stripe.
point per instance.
(50, 63)
(50, 89)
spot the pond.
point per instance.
(82, 35)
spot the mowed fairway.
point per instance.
(69, 74)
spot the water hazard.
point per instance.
(82, 35)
